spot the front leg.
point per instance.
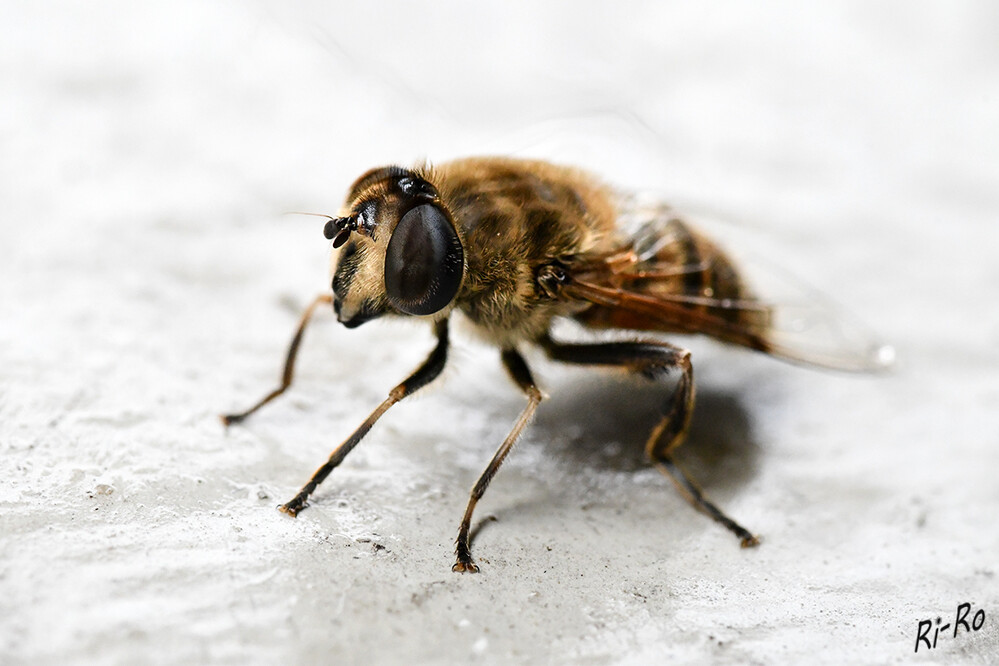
(517, 367)
(655, 360)
(425, 374)
(289, 362)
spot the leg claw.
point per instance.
(465, 567)
(291, 508)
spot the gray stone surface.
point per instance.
(148, 281)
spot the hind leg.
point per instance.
(656, 360)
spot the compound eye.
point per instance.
(424, 262)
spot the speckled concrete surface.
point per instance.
(148, 282)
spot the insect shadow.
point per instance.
(602, 423)
(612, 419)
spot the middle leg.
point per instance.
(517, 367)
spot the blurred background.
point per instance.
(149, 281)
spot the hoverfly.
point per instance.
(513, 245)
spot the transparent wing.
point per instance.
(668, 277)
(808, 326)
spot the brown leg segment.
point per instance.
(423, 375)
(289, 363)
(521, 374)
(654, 360)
